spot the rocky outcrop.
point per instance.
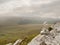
(47, 36)
(16, 43)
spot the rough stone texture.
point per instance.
(48, 37)
(17, 42)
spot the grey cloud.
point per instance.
(3, 1)
(38, 10)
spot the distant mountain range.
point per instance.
(26, 20)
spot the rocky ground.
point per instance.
(48, 36)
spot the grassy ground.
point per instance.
(9, 34)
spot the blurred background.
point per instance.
(24, 18)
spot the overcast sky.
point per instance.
(37, 8)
